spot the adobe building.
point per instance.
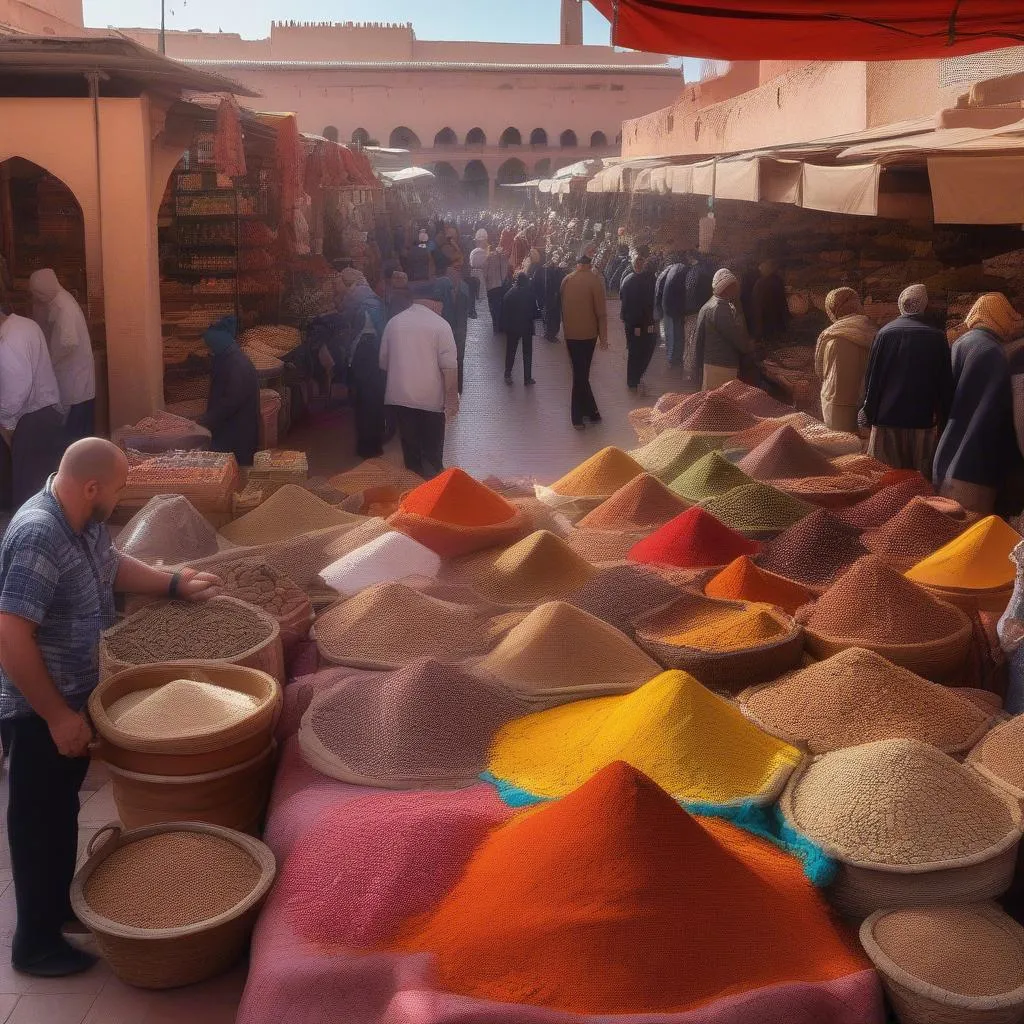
(476, 112)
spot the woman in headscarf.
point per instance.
(67, 338)
(233, 408)
(978, 447)
(841, 357)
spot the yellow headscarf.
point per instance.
(994, 312)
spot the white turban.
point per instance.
(913, 300)
(481, 235)
(722, 281)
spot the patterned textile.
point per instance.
(904, 448)
(63, 582)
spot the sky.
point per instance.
(524, 21)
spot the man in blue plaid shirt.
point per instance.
(58, 575)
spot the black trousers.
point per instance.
(494, 297)
(584, 405)
(552, 319)
(367, 382)
(422, 437)
(640, 350)
(42, 829)
(36, 450)
(81, 421)
(511, 347)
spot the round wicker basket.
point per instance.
(942, 660)
(267, 655)
(917, 1002)
(234, 797)
(170, 957)
(859, 889)
(198, 754)
(728, 671)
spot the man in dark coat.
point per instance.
(670, 299)
(636, 297)
(908, 387)
(553, 274)
(519, 311)
(233, 408)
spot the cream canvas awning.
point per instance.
(841, 189)
(977, 189)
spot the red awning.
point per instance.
(815, 29)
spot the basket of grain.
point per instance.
(184, 718)
(234, 797)
(727, 645)
(997, 758)
(949, 965)
(907, 825)
(172, 905)
(222, 630)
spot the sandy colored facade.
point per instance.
(42, 17)
(769, 103)
(469, 110)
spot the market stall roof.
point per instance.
(814, 29)
(406, 175)
(117, 58)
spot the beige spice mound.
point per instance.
(171, 880)
(179, 709)
(289, 512)
(898, 802)
(179, 631)
(857, 697)
(973, 951)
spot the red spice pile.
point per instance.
(454, 497)
(614, 900)
(742, 580)
(693, 540)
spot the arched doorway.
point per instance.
(445, 138)
(543, 168)
(476, 137)
(361, 137)
(330, 133)
(511, 172)
(538, 137)
(445, 173)
(476, 181)
(598, 140)
(41, 225)
(510, 137)
(567, 140)
(403, 138)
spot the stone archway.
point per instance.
(445, 139)
(476, 137)
(511, 172)
(568, 140)
(510, 137)
(476, 181)
(403, 138)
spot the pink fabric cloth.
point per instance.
(292, 982)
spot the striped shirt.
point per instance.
(64, 583)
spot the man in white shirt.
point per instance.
(418, 354)
(31, 418)
(67, 338)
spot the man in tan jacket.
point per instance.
(585, 322)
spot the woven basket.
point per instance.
(170, 957)
(267, 655)
(860, 889)
(942, 661)
(194, 755)
(994, 600)
(234, 797)
(917, 1002)
(728, 671)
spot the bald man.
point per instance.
(58, 576)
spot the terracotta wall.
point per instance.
(812, 101)
(375, 43)
(121, 246)
(426, 102)
(42, 17)
(796, 101)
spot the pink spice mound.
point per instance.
(359, 870)
(717, 415)
(786, 455)
(695, 539)
(894, 492)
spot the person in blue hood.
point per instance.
(233, 409)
